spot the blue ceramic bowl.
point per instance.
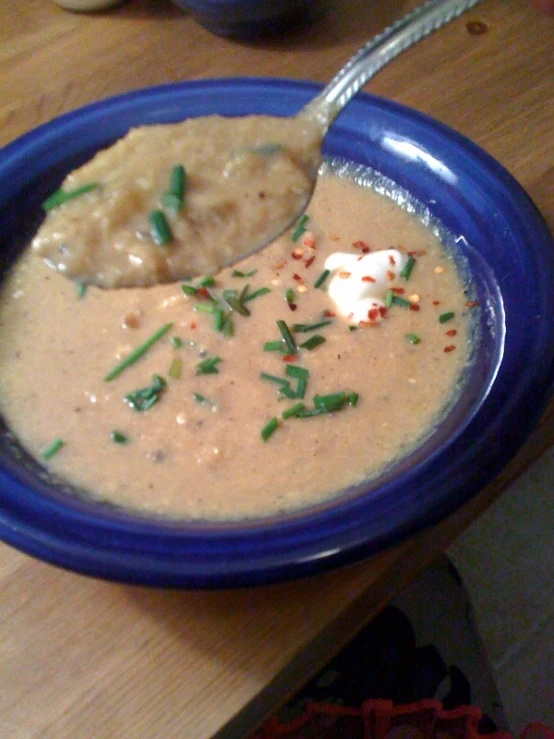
(509, 253)
(248, 19)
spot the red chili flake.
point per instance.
(449, 348)
(367, 278)
(383, 311)
(202, 292)
(477, 28)
(193, 325)
(472, 303)
(414, 306)
(296, 277)
(329, 314)
(392, 260)
(289, 357)
(436, 302)
(344, 275)
(281, 265)
(296, 256)
(398, 290)
(390, 275)
(292, 306)
(373, 314)
(452, 332)
(364, 248)
(310, 261)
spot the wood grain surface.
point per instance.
(84, 658)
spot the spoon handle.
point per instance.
(380, 51)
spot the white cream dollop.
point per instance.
(358, 283)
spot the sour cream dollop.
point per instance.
(358, 284)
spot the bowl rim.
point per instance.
(79, 536)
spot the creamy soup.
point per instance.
(178, 200)
(260, 390)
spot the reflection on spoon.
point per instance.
(182, 200)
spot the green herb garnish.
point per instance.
(208, 366)
(173, 197)
(300, 228)
(397, 300)
(237, 305)
(269, 428)
(256, 294)
(81, 289)
(352, 399)
(289, 295)
(159, 227)
(62, 196)
(331, 402)
(294, 410)
(303, 328)
(293, 370)
(413, 338)
(322, 277)
(444, 317)
(176, 342)
(314, 341)
(54, 448)
(138, 352)
(406, 271)
(207, 281)
(189, 289)
(203, 400)
(118, 438)
(287, 337)
(144, 398)
(238, 273)
(274, 346)
(175, 368)
(389, 297)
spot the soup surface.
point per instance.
(194, 427)
(178, 200)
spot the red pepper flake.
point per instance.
(436, 302)
(202, 292)
(414, 306)
(193, 325)
(362, 246)
(398, 290)
(392, 260)
(383, 311)
(280, 266)
(472, 303)
(292, 306)
(344, 275)
(373, 314)
(390, 275)
(296, 256)
(451, 332)
(449, 348)
(367, 278)
(296, 277)
(329, 314)
(289, 357)
(310, 261)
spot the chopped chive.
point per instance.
(219, 319)
(118, 438)
(159, 227)
(294, 410)
(352, 328)
(175, 369)
(289, 295)
(144, 398)
(314, 341)
(81, 290)
(413, 338)
(237, 305)
(203, 400)
(173, 197)
(244, 293)
(176, 342)
(406, 271)
(273, 378)
(322, 277)
(286, 390)
(207, 281)
(256, 294)
(287, 337)
(303, 328)
(269, 428)
(189, 289)
(208, 366)
(308, 412)
(138, 352)
(300, 228)
(331, 402)
(238, 273)
(397, 300)
(444, 317)
(204, 307)
(273, 346)
(301, 387)
(352, 399)
(228, 329)
(54, 447)
(293, 370)
(62, 196)
(389, 297)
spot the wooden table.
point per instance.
(83, 658)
